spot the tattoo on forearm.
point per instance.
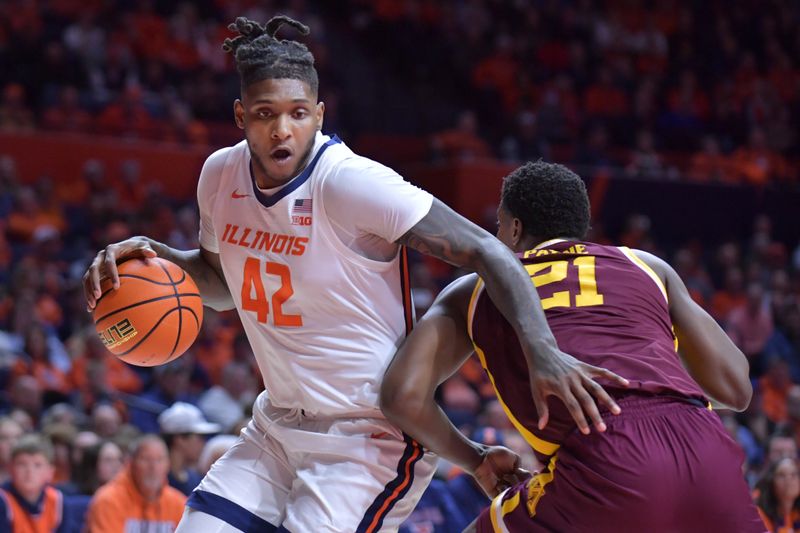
(444, 236)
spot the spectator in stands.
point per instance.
(750, 325)
(461, 143)
(25, 395)
(15, 115)
(138, 498)
(730, 297)
(710, 164)
(184, 429)
(106, 420)
(170, 385)
(67, 114)
(645, 161)
(525, 143)
(99, 465)
(27, 501)
(774, 387)
(225, 404)
(757, 164)
(10, 432)
(778, 497)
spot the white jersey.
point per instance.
(322, 310)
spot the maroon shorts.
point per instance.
(662, 466)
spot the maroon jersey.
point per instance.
(605, 307)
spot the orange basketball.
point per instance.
(153, 317)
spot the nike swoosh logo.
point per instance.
(236, 196)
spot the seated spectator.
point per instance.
(184, 430)
(526, 143)
(113, 376)
(99, 465)
(778, 497)
(645, 161)
(774, 386)
(750, 326)
(128, 116)
(27, 502)
(225, 404)
(138, 498)
(461, 143)
(730, 297)
(170, 385)
(67, 114)
(15, 115)
(29, 218)
(710, 165)
(603, 98)
(10, 433)
(757, 164)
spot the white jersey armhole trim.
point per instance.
(646, 268)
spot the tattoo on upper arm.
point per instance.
(444, 235)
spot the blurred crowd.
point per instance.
(707, 92)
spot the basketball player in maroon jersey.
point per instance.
(666, 463)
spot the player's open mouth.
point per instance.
(281, 155)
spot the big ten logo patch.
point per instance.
(117, 334)
(298, 220)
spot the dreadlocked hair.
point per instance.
(549, 199)
(260, 55)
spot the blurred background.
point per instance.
(681, 116)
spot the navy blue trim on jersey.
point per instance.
(270, 200)
(229, 512)
(395, 490)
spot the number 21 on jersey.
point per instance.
(559, 270)
(253, 283)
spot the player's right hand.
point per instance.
(499, 470)
(105, 262)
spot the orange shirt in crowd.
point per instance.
(723, 302)
(118, 507)
(48, 376)
(707, 167)
(773, 399)
(790, 523)
(23, 521)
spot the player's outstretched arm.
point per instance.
(435, 349)
(203, 266)
(713, 360)
(450, 237)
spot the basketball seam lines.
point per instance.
(155, 326)
(137, 304)
(180, 313)
(134, 276)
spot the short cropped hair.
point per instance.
(33, 444)
(549, 199)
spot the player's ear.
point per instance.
(320, 112)
(238, 113)
(516, 231)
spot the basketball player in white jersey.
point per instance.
(305, 240)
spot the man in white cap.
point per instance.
(184, 429)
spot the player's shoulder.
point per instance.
(217, 160)
(456, 297)
(349, 167)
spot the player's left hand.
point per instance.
(499, 470)
(573, 382)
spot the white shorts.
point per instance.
(315, 475)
